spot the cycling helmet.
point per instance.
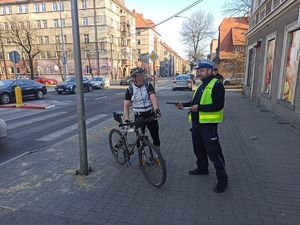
(136, 71)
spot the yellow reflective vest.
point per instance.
(206, 99)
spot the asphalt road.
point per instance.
(30, 130)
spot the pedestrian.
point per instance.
(217, 74)
(207, 110)
(143, 99)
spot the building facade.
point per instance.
(231, 50)
(273, 52)
(107, 31)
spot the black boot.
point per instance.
(198, 171)
(220, 188)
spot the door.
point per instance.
(28, 87)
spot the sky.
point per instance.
(158, 10)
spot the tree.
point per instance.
(195, 31)
(237, 8)
(23, 34)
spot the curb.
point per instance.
(27, 107)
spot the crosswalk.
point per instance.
(45, 125)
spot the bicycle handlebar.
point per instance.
(140, 121)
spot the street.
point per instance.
(32, 130)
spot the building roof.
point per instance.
(168, 48)
(232, 33)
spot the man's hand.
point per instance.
(158, 113)
(195, 108)
(179, 106)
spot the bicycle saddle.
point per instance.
(118, 116)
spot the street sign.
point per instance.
(56, 68)
(14, 56)
(153, 56)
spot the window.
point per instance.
(44, 9)
(9, 10)
(54, 6)
(84, 4)
(46, 39)
(86, 38)
(38, 23)
(138, 32)
(63, 23)
(3, 11)
(138, 42)
(88, 69)
(20, 9)
(65, 38)
(8, 41)
(291, 64)
(45, 25)
(268, 68)
(57, 39)
(85, 21)
(61, 6)
(48, 70)
(36, 7)
(56, 23)
(25, 8)
(48, 55)
(40, 40)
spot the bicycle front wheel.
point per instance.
(117, 144)
(152, 164)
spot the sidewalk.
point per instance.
(262, 156)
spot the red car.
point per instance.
(46, 81)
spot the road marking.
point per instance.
(100, 98)
(18, 114)
(121, 93)
(35, 120)
(69, 129)
(48, 126)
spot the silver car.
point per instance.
(183, 82)
(235, 79)
(100, 82)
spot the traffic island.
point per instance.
(29, 106)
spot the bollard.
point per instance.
(19, 99)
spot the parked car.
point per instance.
(46, 81)
(100, 82)
(69, 85)
(3, 129)
(235, 79)
(126, 81)
(182, 81)
(29, 88)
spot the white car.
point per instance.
(3, 129)
(100, 82)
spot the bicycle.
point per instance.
(151, 160)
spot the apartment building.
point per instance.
(107, 46)
(273, 53)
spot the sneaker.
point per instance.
(220, 188)
(198, 171)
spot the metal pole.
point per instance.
(79, 91)
(154, 75)
(96, 38)
(63, 58)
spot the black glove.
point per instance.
(158, 113)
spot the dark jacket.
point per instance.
(218, 98)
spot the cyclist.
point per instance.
(142, 97)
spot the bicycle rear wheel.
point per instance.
(152, 164)
(117, 144)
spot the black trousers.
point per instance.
(152, 126)
(206, 145)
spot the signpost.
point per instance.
(153, 58)
(79, 91)
(14, 56)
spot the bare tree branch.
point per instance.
(196, 30)
(237, 8)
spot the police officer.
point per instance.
(142, 97)
(206, 113)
